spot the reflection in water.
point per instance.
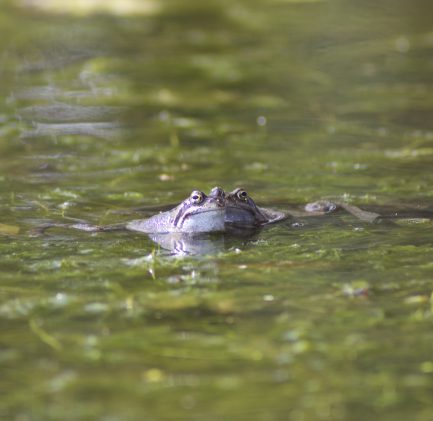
(59, 119)
(53, 93)
(55, 109)
(122, 7)
(102, 130)
(180, 244)
(51, 118)
(55, 59)
(67, 113)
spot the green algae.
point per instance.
(327, 319)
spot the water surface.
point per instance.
(327, 319)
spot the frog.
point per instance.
(242, 211)
(198, 213)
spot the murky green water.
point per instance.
(331, 320)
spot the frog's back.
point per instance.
(159, 223)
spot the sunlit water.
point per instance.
(315, 319)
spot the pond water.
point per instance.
(106, 111)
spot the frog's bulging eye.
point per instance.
(242, 194)
(197, 197)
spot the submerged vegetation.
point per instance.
(107, 110)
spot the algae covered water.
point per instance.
(111, 107)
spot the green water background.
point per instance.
(295, 101)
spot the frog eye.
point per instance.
(196, 197)
(242, 195)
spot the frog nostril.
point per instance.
(217, 192)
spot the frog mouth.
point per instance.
(181, 220)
